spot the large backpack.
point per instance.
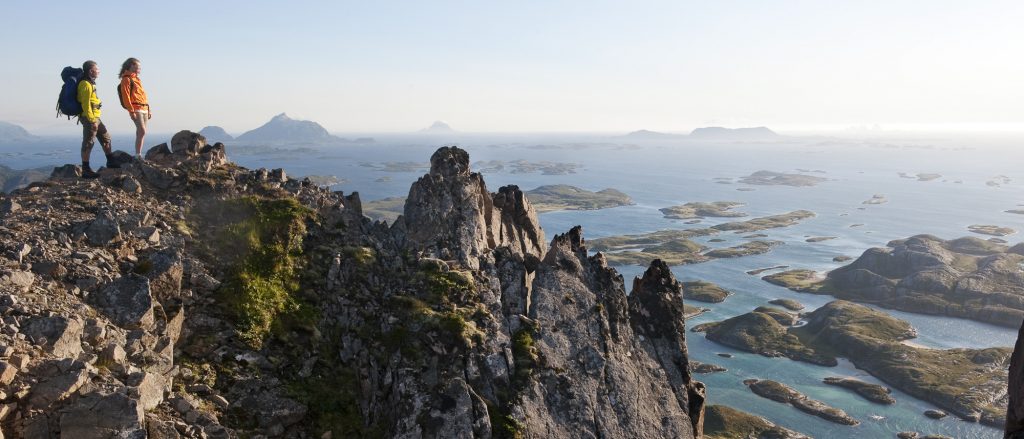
(67, 102)
(121, 97)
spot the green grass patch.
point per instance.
(259, 242)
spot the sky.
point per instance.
(528, 66)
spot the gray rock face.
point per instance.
(598, 373)
(127, 302)
(1015, 390)
(104, 416)
(450, 214)
(656, 313)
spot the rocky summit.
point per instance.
(183, 296)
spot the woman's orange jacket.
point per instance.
(133, 96)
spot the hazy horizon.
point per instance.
(533, 67)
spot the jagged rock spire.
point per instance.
(450, 214)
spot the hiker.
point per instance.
(92, 126)
(133, 99)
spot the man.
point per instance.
(92, 126)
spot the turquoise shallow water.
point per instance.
(667, 173)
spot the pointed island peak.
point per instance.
(438, 127)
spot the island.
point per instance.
(684, 251)
(215, 134)
(871, 392)
(556, 197)
(724, 422)
(779, 392)
(770, 178)
(385, 209)
(970, 383)
(876, 199)
(761, 332)
(921, 176)
(721, 209)
(438, 127)
(734, 134)
(325, 180)
(968, 278)
(985, 229)
(758, 271)
(702, 291)
(789, 304)
(652, 135)
(11, 133)
(675, 248)
(698, 367)
(282, 128)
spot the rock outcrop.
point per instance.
(967, 278)
(184, 296)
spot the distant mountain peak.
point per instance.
(10, 132)
(438, 127)
(215, 133)
(648, 134)
(721, 133)
(282, 128)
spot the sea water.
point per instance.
(657, 174)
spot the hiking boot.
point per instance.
(88, 173)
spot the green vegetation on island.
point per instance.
(385, 209)
(967, 278)
(724, 422)
(675, 248)
(779, 392)
(789, 304)
(871, 392)
(704, 292)
(988, 229)
(564, 197)
(968, 382)
(692, 210)
(769, 178)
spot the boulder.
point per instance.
(58, 387)
(98, 416)
(164, 273)
(59, 335)
(150, 388)
(66, 171)
(187, 143)
(131, 185)
(127, 302)
(104, 229)
(20, 281)
(160, 429)
(7, 373)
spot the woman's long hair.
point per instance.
(127, 65)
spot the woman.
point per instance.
(133, 99)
